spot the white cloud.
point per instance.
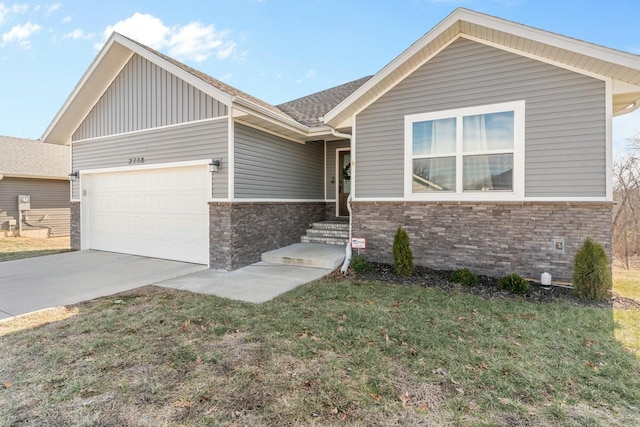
(66, 19)
(193, 41)
(78, 34)
(20, 34)
(310, 74)
(15, 9)
(54, 7)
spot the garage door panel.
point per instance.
(159, 213)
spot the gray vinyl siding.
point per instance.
(268, 167)
(331, 166)
(49, 203)
(145, 96)
(565, 119)
(193, 141)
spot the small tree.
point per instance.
(591, 274)
(402, 255)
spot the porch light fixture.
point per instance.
(73, 176)
(214, 165)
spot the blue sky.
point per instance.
(276, 50)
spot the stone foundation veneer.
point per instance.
(489, 238)
(240, 232)
(75, 236)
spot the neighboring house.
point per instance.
(40, 171)
(488, 141)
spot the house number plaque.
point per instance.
(136, 160)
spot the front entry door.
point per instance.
(344, 181)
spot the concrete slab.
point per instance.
(307, 255)
(255, 283)
(33, 284)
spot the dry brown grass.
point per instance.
(327, 353)
(12, 248)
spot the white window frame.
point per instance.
(518, 108)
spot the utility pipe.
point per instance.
(348, 251)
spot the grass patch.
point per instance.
(345, 353)
(626, 283)
(12, 248)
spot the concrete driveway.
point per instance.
(32, 284)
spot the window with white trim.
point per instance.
(466, 152)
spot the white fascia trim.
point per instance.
(266, 114)
(194, 81)
(87, 74)
(609, 139)
(231, 156)
(552, 39)
(458, 200)
(17, 175)
(324, 182)
(149, 130)
(269, 131)
(329, 200)
(188, 163)
(392, 66)
(532, 56)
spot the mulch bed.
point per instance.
(487, 287)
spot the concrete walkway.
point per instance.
(255, 283)
(33, 284)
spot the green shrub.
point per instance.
(464, 276)
(402, 255)
(514, 283)
(359, 264)
(591, 274)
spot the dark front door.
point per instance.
(344, 181)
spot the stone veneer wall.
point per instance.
(75, 236)
(490, 238)
(240, 232)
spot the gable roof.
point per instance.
(621, 67)
(314, 116)
(29, 158)
(308, 109)
(119, 49)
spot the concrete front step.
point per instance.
(328, 232)
(325, 240)
(307, 255)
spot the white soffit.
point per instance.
(543, 45)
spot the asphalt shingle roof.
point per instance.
(307, 109)
(29, 157)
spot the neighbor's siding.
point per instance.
(565, 120)
(49, 202)
(145, 96)
(331, 166)
(193, 141)
(268, 167)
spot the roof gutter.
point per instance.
(348, 252)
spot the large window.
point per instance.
(466, 152)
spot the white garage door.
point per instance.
(159, 213)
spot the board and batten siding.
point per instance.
(268, 167)
(145, 96)
(207, 139)
(49, 203)
(565, 119)
(330, 166)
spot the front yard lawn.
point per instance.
(328, 353)
(12, 248)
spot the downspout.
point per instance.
(347, 256)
